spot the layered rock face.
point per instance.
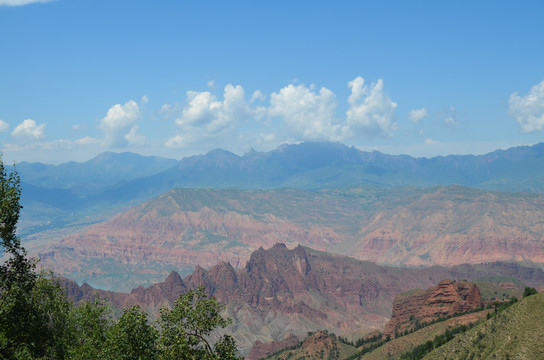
(282, 291)
(261, 350)
(185, 228)
(423, 306)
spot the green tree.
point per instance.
(187, 329)
(91, 322)
(10, 194)
(529, 291)
(37, 321)
(34, 311)
(17, 276)
(132, 337)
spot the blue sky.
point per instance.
(177, 78)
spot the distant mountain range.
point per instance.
(314, 166)
(55, 196)
(95, 175)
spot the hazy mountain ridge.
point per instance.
(104, 170)
(68, 193)
(184, 228)
(332, 165)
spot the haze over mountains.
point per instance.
(117, 179)
(369, 205)
(123, 220)
(184, 228)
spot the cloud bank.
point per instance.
(4, 126)
(21, 2)
(294, 113)
(528, 110)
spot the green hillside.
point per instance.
(516, 333)
(320, 345)
(397, 347)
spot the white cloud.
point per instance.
(59, 144)
(87, 140)
(430, 141)
(134, 138)
(205, 116)
(307, 115)
(144, 99)
(21, 2)
(258, 96)
(4, 126)
(294, 113)
(451, 117)
(418, 115)
(175, 142)
(119, 120)
(528, 110)
(211, 84)
(29, 130)
(371, 110)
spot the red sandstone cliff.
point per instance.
(423, 306)
(261, 350)
(282, 291)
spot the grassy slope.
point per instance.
(516, 333)
(396, 347)
(317, 346)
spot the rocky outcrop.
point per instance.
(261, 350)
(282, 291)
(424, 306)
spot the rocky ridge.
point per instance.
(261, 350)
(424, 306)
(282, 291)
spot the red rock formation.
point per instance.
(186, 228)
(424, 306)
(261, 350)
(282, 291)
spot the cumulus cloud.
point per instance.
(4, 126)
(295, 112)
(430, 141)
(205, 116)
(29, 130)
(175, 142)
(118, 123)
(21, 2)
(528, 110)
(308, 115)
(451, 118)
(134, 138)
(371, 111)
(87, 140)
(418, 115)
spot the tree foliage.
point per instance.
(132, 337)
(187, 329)
(38, 321)
(10, 194)
(529, 291)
